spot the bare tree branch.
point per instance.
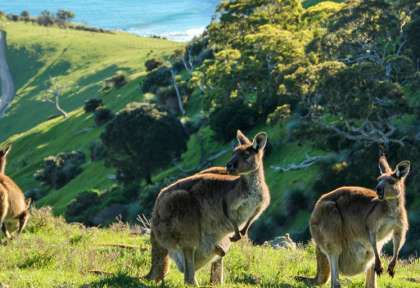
(308, 162)
(178, 94)
(368, 132)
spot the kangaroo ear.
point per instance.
(402, 169)
(260, 140)
(242, 139)
(384, 165)
(5, 151)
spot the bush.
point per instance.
(24, 16)
(118, 80)
(102, 115)
(141, 139)
(225, 120)
(97, 150)
(60, 169)
(152, 64)
(92, 104)
(156, 78)
(295, 201)
(80, 208)
(12, 17)
(281, 113)
(46, 18)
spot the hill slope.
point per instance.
(52, 253)
(80, 59)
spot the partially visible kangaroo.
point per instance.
(351, 224)
(189, 218)
(13, 206)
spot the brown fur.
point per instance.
(351, 224)
(13, 206)
(189, 219)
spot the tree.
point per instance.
(54, 93)
(24, 15)
(141, 139)
(64, 16)
(46, 18)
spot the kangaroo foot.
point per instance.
(236, 237)
(378, 268)
(391, 268)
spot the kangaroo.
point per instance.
(13, 206)
(189, 219)
(350, 225)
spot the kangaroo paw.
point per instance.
(219, 251)
(235, 238)
(378, 268)
(391, 269)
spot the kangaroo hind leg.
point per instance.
(160, 261)
(189, 273)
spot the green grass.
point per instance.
(51, 253)
(81, 60)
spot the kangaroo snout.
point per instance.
(232, 165)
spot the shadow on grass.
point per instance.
(118, 280)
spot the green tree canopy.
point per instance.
(142, 138)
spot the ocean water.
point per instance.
(178, 20)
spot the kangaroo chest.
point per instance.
(251, 200)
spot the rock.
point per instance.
(283, 242)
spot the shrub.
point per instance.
(91, 104)
(46, 18)
(118, 80)
(158, 77)
(152, 64)
(102, 115)
(225, 120)
(97, 150)
(12, 17)
(281, 113)
(295, 201)
(24, 16)
(60, 169)
(80, 208)
(64, 16)
(141, 139)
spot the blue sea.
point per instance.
(178, 20)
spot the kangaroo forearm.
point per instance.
(398, 241)
(250, 221)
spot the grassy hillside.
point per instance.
(52, 253)
(79, 59)
(83, 60)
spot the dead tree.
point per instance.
(308, 162)
(54, 93)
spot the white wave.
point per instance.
(180, 36)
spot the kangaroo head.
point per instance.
(391, 183)
(247, 156)
(3, 157)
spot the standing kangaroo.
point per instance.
(351, 224)
(13, 206)
(193, 216)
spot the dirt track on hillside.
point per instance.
(6, 81)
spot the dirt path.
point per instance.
(8, 91)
